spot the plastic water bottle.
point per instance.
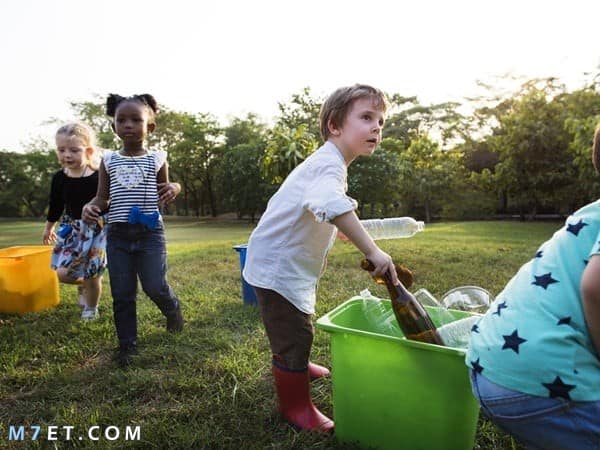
(456, 334)
(380, 319)
(468, 298)
(426, 298)
(392, 227)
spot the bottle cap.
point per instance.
(420, 225)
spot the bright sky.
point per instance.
(230, 57)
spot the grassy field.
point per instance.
(211, 387)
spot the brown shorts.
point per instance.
(290, 331)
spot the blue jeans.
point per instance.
(134, 251)
(539, 422)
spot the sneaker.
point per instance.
(125, 355)
(89, 313)
(175, 320)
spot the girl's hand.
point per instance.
(383, 263)
(49, 237)
(167, 192)
(90, 213)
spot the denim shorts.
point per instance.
(539, 422)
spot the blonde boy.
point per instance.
(287, 250)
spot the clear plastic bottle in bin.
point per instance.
(392, 227)
(380, 319)
(457, 333)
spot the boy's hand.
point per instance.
(383, 263)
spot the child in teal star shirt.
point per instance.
(535, 367)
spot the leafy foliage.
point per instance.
(243, 188)
(373, 181)
(286, 148)
(24, 182)
(522, 151)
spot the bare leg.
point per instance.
(63, 277)
(92, 289)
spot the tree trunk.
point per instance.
(427, 211)
(211, 197)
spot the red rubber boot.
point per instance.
(316, 371)
(295, 403)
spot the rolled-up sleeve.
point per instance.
(326, 198)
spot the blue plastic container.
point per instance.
(248, 294)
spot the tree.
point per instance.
(401, 124)
(242, 187)
(25, 180)
(587, 185)
(193, 159)
(426, 174)
(583, 114)
(409, 119)
(534, 162)
(248, 130)
(286, 148)
(373, 181)
(303, 110)
(94, 114)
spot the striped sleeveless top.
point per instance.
(132, 182)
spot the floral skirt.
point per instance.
(81, 248)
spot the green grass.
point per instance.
(210, 387)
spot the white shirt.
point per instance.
(287, 250)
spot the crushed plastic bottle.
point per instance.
(393, 227)
(381, 319)
(426, 298)
(467, 298)
(456, 334)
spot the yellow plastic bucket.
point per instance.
(27, 283)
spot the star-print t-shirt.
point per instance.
(534, 338)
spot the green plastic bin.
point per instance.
(394, 393)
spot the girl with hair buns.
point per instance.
(132, 183)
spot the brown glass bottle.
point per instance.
(413, 319)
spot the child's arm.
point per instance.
(167, 191)
(590, 293)
(349, 224)
(56, 207)
(92, 210)
(49, 236)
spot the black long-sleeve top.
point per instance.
(70, 194)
